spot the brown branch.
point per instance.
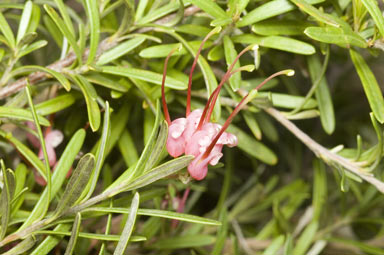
(325, 154)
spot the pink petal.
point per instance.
(198, 168)
(50, 152)
(228, 139)
(193, 120)
(197, 144)
(54, 138)
(175, 147)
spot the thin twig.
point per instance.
(323, 153)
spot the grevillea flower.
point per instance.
(195, 134)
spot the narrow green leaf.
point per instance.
(280, 27)
(144, 75)
(94, 22)
(306, 238)
(252, 124)
(35, 19)
(187, 241)
(74, 235)
(339, 36)
(29, 155)
(64, 30)
(192, 29)
(141, 6)
(128, 228)
(58, 177)
(319, 189)
(76, 184)
(22, 247)
(101, 237)
(51, 241)
(158, 147)
(221, 233)
(55, 104)
(60, 77)
(275, 245)
(24, 21)
(7, 194)
(370, 249)
(370, 85)
(323, 96)
(230, 55)
(210, 7)
(158, 213)
(128, 148)
(100, 154)
(32, 47)
(277, 42)
(376, 13)
(20, 114)
(253, 147)
(315, 13)
(288, 101)
(107, 81)
(65, 14)
(120, 50)
(161, 51)
(7, 31)
(159, 12)
(90, 96)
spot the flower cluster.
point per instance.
(195, 134)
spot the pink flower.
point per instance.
(195, 134)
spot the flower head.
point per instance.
(195, 134)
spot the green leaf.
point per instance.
(32, 47)
(35, 19)
(158, 147)
(90, 96)
(144, 75)
(192, 29)
(127, 148)
(370, 85)
(315, 13)
(319, 189)
(128, 228)
(22, 247)
(306, 238)
(100, 154)
(339, 36)
(58, 177)
(230, 56)
(7, 194)
(275, 245)
(101, 237)
(107, 81)
(65, 30)
(323, 96)
(51, 241)
(159, 12)
(65, 14)
(187, 241)
(210, 7)
(120, 50)
(288, 101)
(277, 42)
(7, 31)
(24, 21)
(60, 77)
(253, 147)
(76, 184)
(280, 27)
(55, 104)
(20, 114)
(370, 249)
(161, 51)
(74, 235)
(158, 213)
(377, 16)
(29, 155)
(94, 23)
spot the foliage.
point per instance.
(90, 72)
